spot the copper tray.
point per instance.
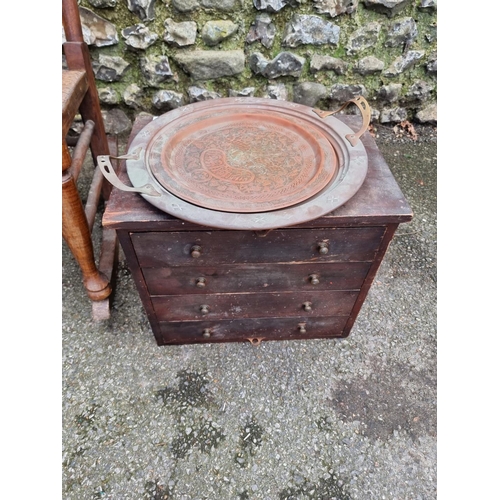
(241, 162)
(245, 163)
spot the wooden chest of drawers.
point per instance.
(200, 284)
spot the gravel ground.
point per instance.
(318, 419)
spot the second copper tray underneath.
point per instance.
(246, 163)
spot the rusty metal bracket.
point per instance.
(363, 106)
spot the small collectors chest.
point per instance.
(206, 284)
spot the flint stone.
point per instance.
(393, 115)
(214, 32)
(403, 31)
(428, 114)
(210, 64)
(431, 35)
(388, 7)
(278, 92)
(369, 65)
(186, 5)
(180, 34)
(97, 30)
(390, 93)
(246, 92)
(116, 121)
(145, 9)
(309, 30)
(225, 5)
(420, 91)
(107, 95)
(109, 68)
(190, 5)
(309, 93)
(342, 93)
(197, 94)
(327, 63)
(432, 63)
(258, 63)
(273, 5)
(139, 37)
(88, 36)
(132, 96)
(155, 69)
(263, 30)
(374, 114)
(165, 100)
(428, 4)
(77, 125)
(363, 38)
(284, 64)
(402, 63)
(103, 4)
(335, 8)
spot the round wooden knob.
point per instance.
(206, 333)
(302, 328)
(201, 282)
(323, 247)
(307, 306)
(204, 309)
(314, 279)
(195, 251)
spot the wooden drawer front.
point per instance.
(160, 249)
(252, 305)
(257, 329)
(255, 278)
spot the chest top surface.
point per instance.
(378, 201)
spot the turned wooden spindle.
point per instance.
(77, 235)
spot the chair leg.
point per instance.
(77, 235)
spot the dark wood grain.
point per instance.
(158, 249)
(391, 229)
(254, 278)
(71, 21)
(248, 305)
(246, 330)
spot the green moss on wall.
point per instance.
(121, 17)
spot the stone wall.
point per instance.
(156, 55)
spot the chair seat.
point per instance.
(74, 86)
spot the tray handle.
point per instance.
(104, 163)
(363, 106)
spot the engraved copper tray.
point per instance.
(246, 163)
(241, 162)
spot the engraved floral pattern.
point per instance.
(241, 163)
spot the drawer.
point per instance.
(255, 278)
(253, 305)
(254, 330)
(160, 249)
